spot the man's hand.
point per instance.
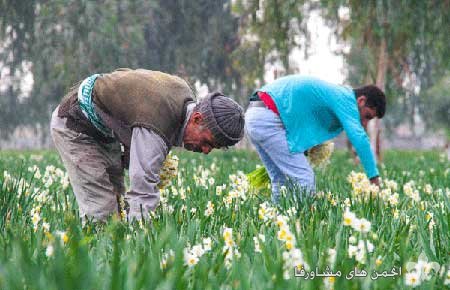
(375, 180)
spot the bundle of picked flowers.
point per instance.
(318, 156)
(169, 170)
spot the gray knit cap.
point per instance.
(224, 117)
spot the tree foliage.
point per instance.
(437, 105)
(401, 44)
(270, 30)
(16, 37)
(224, 44)
(67, 40)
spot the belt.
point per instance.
(256, 104)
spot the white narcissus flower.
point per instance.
(393, 199)
(227, 200)
(233, 194)
(396, 214)
(359, 251)
(230, 249)
(46, 227)
(297, 258)
(190, 259)
(361, 225)
(293, 258)
(36, 218)
(197, 250)
(229, 243)
(347, 202)
(257, 246)
(289, 244)
(365, 226)
(361, 256)
(447, 278)
(408, 188)
(227, 233)
(349, 217)
(228, 237)
(163, 263)
(415, 196)
(207, 244)
(291, 211)
(170, 209)
(361, 246)
(49, 250)
(428, 189)
(65, 182)
(352, 250)
(166, 258)
(209, 209)
(412, 279)
(286, 274)
(49, 182)
(262, 238)
(183, 194)
(329, 282)
(331, 256)
(423, 268)
(352, 240)
(283, 233)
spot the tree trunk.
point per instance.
(380, 82)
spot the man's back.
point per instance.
(310, 109)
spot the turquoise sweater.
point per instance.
(314, 111)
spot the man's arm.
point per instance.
(348, 115)
(360, 141)
(147, 154)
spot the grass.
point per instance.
(44, 246)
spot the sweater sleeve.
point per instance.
(347, 112)
(147, 154)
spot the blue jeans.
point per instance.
(268, 135)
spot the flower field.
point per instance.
(212, 231)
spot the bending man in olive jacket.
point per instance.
(131, 118)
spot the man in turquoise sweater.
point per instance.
(295, 113)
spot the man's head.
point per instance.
(371, 103)
(217, 121)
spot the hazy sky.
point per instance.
(322, 61)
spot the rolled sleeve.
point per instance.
(147, 154)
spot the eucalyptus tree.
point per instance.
(399, 45)
(437, 105)
(16, 38)
(75, 38)
(194, 39)
(63, 41)
(270, 30)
